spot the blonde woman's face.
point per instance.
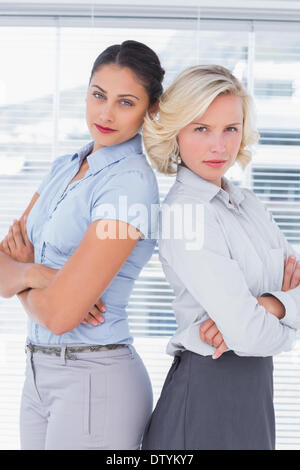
(210, 144)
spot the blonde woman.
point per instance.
(235, 304)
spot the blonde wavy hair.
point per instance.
(185, 99)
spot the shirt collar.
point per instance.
(110, 154)
(207, 190)
(232, 191)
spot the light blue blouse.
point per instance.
(120, 178)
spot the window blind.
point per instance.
(46, 62)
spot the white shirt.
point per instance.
(241, 257)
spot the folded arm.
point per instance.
(62, 305)
(13, 275)
(289, 297)
(17, 268)
(210, 334)
(217, 282)
(14, 270)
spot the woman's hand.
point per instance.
(40, 276)
(291, 277)
(94, 317)
(16, 244)
(210, 334)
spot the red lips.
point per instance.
(214, 163)
(105, 130)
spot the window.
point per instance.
(46, 62)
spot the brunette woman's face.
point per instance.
(214, 136)
(116, 105)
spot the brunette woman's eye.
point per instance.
(98, 94)
(127, 103)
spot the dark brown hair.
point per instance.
(140, 59)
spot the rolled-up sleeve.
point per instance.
(218, 284)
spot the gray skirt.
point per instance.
(222, 404)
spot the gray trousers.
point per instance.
(98, 400)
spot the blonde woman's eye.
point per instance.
(232, 129)
(201, 129)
